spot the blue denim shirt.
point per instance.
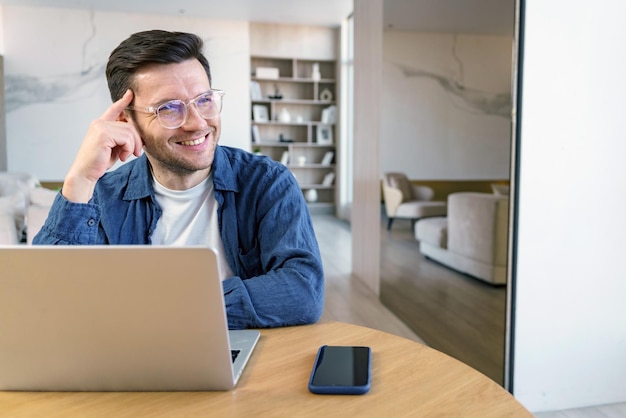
(264, 223)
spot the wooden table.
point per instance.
(408, 379)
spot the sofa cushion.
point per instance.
(433, 231)
(42, 196)
(8, 232)
(41, 200)
(12, 208)
(477, 226)
(402, 183)
(15, 186)
(418, 209)
(37, 216)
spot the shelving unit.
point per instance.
(293, 116)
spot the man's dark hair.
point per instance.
(150, 47)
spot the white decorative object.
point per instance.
(284, 116)
(301, 160)
(260, 113)
(267, 73)
(315, 75)
(311, 195)
(255, 91)
(326, 95)
(285, 158)
(328, 115)
(256, 135)
(328, 158)
(328, 179)
(324, 135)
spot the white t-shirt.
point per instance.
(190, 218)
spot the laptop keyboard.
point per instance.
(234, 354)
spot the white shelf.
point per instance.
(301, 99)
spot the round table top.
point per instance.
(408, 379)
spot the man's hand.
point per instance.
(110, 138)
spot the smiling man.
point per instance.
(185, 189)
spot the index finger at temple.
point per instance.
(118, 107)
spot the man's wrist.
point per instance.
(78, 190)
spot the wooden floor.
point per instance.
(602, 411)
(420, 299)
(454, 313)
(348, 300)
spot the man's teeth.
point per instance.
(194, 142)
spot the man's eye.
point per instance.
(170, 107)
(205, 100)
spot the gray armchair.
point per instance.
(406, 200)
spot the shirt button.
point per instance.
(91, 222)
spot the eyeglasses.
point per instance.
(174, 113)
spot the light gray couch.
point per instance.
(406, 200)
(472, 239)
(24, 206)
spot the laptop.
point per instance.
(116, 318)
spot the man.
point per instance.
(184, 189)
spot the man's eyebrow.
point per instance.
(160, 102)
(157, 103)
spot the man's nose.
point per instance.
(195, 121)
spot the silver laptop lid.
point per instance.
(112, 318)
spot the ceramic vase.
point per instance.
(311, 195)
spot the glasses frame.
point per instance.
(155, 109)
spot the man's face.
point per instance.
(185, 152)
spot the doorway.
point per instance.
(446, 123)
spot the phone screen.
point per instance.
(340, 369)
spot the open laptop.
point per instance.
(116, 318)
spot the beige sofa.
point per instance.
(472, 239)
(24, 206)
(406, 200)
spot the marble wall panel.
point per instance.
(446, 105)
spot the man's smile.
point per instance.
(194, 142)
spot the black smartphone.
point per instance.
(341, 370)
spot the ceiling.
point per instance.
(310, 12)
(493, 17)
(461, 16)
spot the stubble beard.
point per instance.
(177, 164)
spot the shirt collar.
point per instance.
(139, 181)
(223, 172)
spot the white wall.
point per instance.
(3, 137)
(1, 29)
(570, 315)
(55, 83)
(446, 105)
(294, 41)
